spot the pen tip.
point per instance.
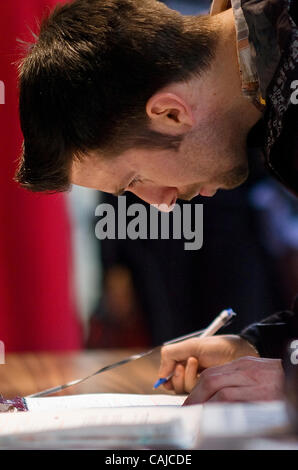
(230, 311)
(157, 383)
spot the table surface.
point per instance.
(28, 373)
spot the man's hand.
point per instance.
(188, 358)
(245, 379)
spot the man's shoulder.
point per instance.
(274, 35)
(281, 144)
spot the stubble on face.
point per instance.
(215, 154)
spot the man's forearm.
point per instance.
(271, 336)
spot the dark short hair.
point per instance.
(85, 82)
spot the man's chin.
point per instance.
(187, 197)
(203, 193)
(232, 181)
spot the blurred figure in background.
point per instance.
(86, 251)
(37, 306)
(277, 211)
(121, 323)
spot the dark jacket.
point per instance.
(273, 30)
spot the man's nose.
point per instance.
(163, 197)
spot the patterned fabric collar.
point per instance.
(246, 52)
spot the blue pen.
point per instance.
(225, 317)
(162, 381)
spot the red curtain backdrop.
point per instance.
(37, 309)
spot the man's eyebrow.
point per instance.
(120, 192)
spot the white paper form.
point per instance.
(174, 426)
(102, 400)
(163, 423)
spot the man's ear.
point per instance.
(169, 114)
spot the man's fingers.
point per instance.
(168, 385)
(167, 366)
(174, 353)
(245, 379)
(210, 383)
(178, 379)
(232, 394)
(191, 374)
(184, 378)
